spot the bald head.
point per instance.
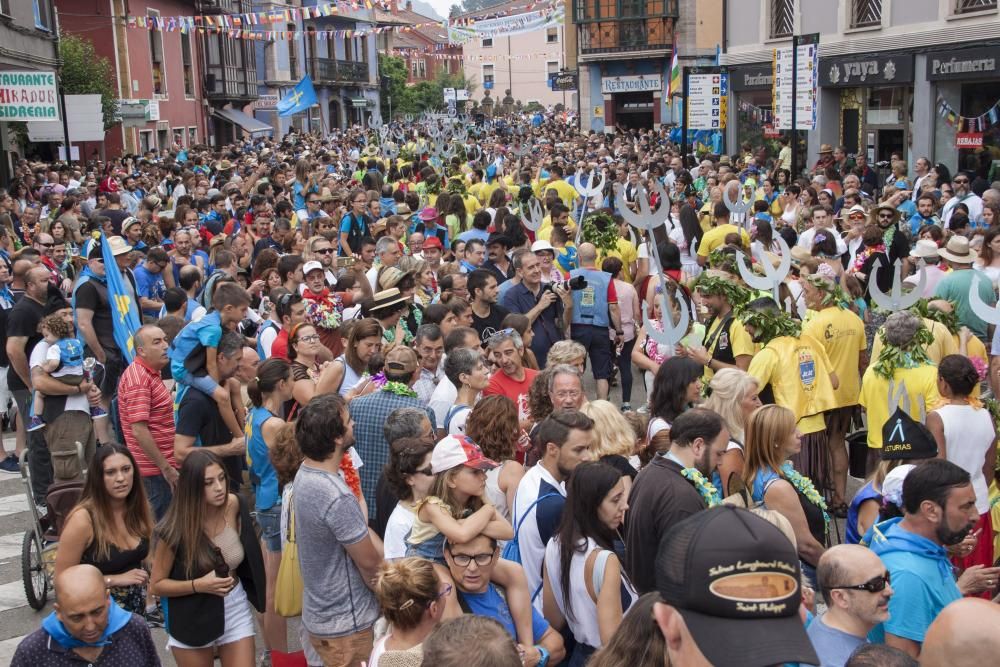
(845, 563)
(963, 635)
(588, 253)
(82, 602)
(79, 581)
(941, 305)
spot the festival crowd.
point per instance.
(368, 418)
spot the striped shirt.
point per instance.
(142, 397)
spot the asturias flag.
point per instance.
(302, 97)
(124, 311)
(674, 84)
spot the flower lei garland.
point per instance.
(398, 388)
(350, 474)
(805, 486)
(390, 334)
(864, 253)
(326, 313)
(708, 492)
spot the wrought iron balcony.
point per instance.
(336, 71)
(230, 82)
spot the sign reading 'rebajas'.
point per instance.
(26, 95)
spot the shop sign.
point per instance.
(707, 98)
(564, 81)
(265, 102)
(27, 95)
(968, 140)
(874, 70)
(981, 63)
(770, 132)
(751, 77)
(631, 84)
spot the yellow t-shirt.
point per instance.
(919, 382)
(995, 514)
(943, 345)
(567, 193)
(544, 232)
(626, 253)
(842, 334)
(738, 341)
(471, 205)
(716, 238)
(705, 216)
(798, 371)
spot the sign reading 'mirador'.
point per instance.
(28, 96)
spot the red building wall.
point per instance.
(91, 20)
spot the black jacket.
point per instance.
(200, 618)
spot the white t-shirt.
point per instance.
(398, 527)
(267, 337)
(54, 354)
(75, 402)
(442, 399)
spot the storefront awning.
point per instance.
(240, 119)
(359, 102)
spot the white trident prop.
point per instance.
(741, 205)
(987, 313)
(896, 300)
(593, 188)
(773, 277)
(647, 220)
(535, 215)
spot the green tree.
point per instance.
(430, 94)
(392, 73)
(83, 72)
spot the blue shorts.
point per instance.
(269, 521)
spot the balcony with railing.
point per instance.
(616, 26)
(330, 70)
(968, 6)
(222, 6)
(230, 82)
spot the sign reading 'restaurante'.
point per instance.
(28, 96)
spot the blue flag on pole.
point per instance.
(124, 311)
(302, 96)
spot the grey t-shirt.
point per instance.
(832, 646)
(335, 600)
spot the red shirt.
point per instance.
(504, 385)
(279, 348)
(142, 397)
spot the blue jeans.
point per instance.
(203, 383)
(159, 494)
(269, 521)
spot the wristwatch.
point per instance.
(544, 660)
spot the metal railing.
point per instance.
(966, 6)
(866, 13)
(782, 18)
(330, 69)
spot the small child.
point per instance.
(565, 253)
(64, 362)
(194, 352)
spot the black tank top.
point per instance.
(119, 560)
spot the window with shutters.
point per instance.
(188, 64)
(782, 19)
(158, 69)
(866, 13)
(293, 55)
(966, 6)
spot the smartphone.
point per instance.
(345, 262)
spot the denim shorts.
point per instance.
(269, 521)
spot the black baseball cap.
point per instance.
(735, 579)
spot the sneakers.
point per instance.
(626, 407)
(154, 617)
(96, 413)
(10, 464)
(36, 424)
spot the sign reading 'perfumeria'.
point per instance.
(981, 63)
(631, 84)
(26, 95)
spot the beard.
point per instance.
(949, 537)
(703, 463)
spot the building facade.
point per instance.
(157, 73)
(27, 42)
(488, 63)
(891, 74)
(344, 70)
(624, 50)
(425, 48)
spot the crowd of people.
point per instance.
(390, 395)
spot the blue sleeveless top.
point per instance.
(262, 473)
(866, 492)
(762, 480)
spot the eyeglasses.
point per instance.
(885, 216)
(45, 245)
(959, 181)
(875, 585)
(444, 592)
(568, 393)
(308, 339)
(463, 560)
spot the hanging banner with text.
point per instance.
(26, 95)
(506, 26)
(707, 100)
(806, 80)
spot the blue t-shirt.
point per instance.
(149, 285)
(187, 353)
(491, 604)
(833, 647)
(469, 234)
(70, 352)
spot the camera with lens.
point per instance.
(573, 284)
(247, 328)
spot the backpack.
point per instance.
(512, 550)
(453, 412)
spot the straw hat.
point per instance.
(958, 251)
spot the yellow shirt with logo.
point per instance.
(716, 238)
(738, 341)
(626, 253)
(798, 372)
(943, 345)
(842, 334)
(920, 382)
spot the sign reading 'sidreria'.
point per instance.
(28, 95)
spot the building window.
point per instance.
(188, 65)
(487, 42)
(43, 14)
(310, 43)
(488, 74)
(966, 6)
(5, 7)
(552, 36)
(192, 137)
(782, 18)
(146, 142)
(293, 55)
(156, 55)
(363, 49)
(421, 69)
(866, 13)
(551, 67)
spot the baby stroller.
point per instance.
(38, 550)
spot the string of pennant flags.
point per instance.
(240, 21)
(968, 124)
(473, 57)
(757, 114)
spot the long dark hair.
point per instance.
(637, 642)
(96, 502)
(690, 225)
(269, 374)
(182, 529)
(670, 387)
(587, 488)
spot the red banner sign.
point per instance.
(770, 132)
(969, 140)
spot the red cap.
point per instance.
(432, 242)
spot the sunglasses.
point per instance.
(325, 251)
(960, 181)
(875, 585)
(856, 216)
(885, 216)
(426, 472)
(45, 245)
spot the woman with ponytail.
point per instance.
(268, 392)
(412, 600)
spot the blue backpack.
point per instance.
(512, 550)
